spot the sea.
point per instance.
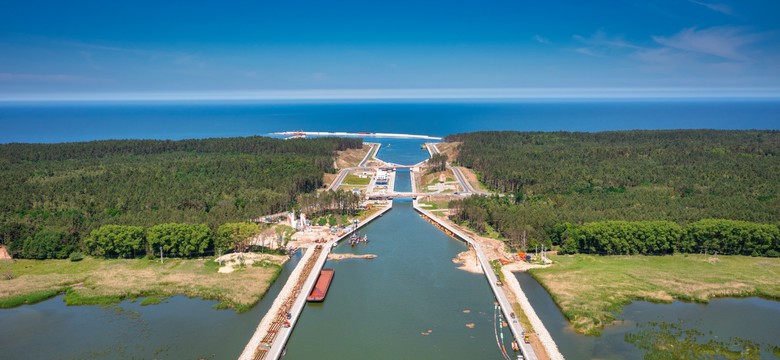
(85, 121)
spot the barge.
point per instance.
(320, 289)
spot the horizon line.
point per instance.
(405, 94)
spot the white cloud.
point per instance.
(725, 42)
(601, 39)
(721, 8)
(599, 44)
(542, 40)
(588, 52)
(44, 78)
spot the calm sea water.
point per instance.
(59, 122)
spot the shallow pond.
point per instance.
(682, 324)
(177, 328)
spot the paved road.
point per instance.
(344, 172)
(371, 154)
(464, 184)
(462, 180)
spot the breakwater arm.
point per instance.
(348, 134)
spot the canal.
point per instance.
(411, 302)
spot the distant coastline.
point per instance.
(359, 134)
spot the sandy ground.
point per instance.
(233, 261)
(337, 257)
(4, 255)
(351, 157)
(494, 249)
(468, 261)
(312, 235)
(449, 148)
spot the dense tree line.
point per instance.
(234, 236)
(732, 237)
(727, 237)
(711, 236)
(49, 244)
(437, 162)
(116, 241)
(548, 180)
(183, 240)
(674, 175)
(623, 238)
(338, 201)
(179, 239)
(71, 189)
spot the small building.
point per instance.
(381, 177)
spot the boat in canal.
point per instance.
(320, 289)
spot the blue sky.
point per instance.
(202, 49)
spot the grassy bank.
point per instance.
(356, 180)
(100, 281)
(591, 290)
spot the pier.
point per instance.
(506, 307)
(271, 335)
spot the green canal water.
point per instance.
(381, 308)
(411, 302)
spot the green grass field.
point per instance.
(433, 205)
(356, 180)
(105, 281)
(591, 290)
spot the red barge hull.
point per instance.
(320, 289)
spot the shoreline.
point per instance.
(138, 278)
(549, 347)
(266, 343)
(349, 134)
